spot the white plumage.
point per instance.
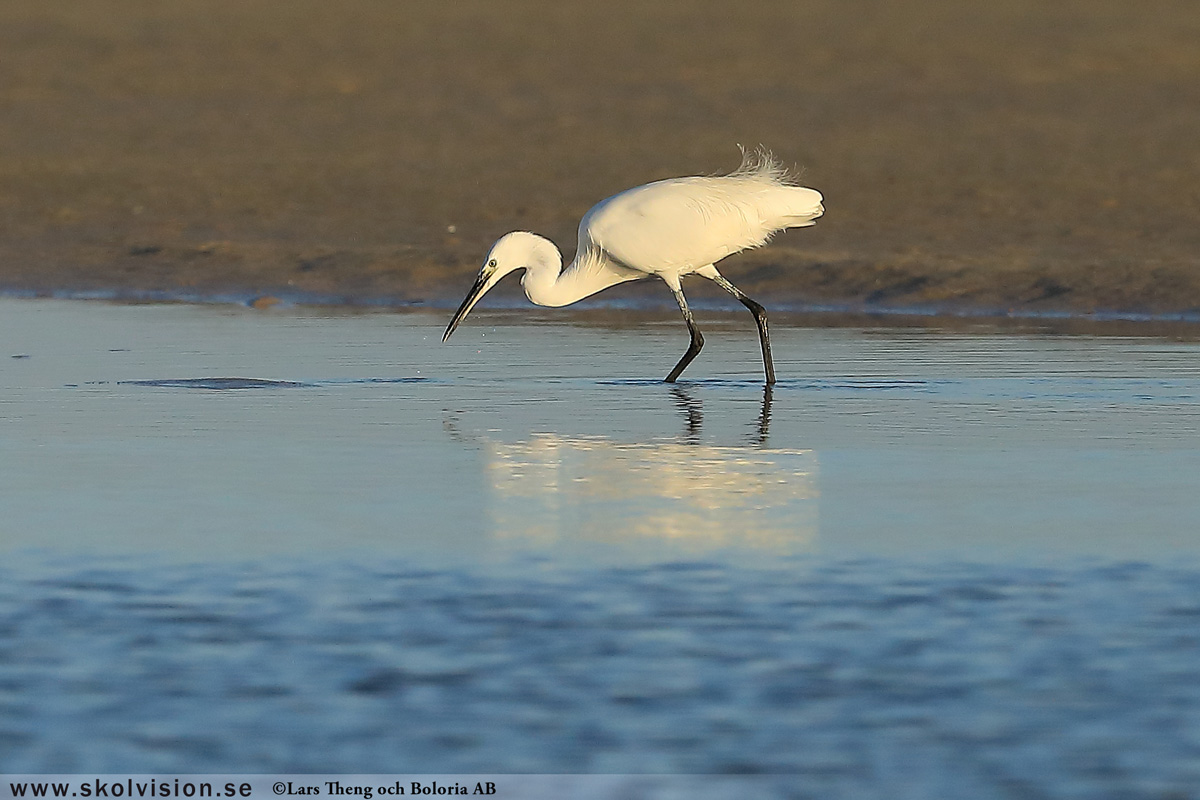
(666, 229)
(686, 223)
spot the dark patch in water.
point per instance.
(224, 384)
(384, 681)
(87, 585)
(218, 384)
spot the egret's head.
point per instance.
(513, 251)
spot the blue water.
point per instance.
(953, 679)
(929, 563)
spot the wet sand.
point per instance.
(1014, 155)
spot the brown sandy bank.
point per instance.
(1008, 154)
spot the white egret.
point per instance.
(667, 229)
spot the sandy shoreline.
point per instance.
(1008, 157)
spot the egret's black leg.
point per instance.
(760, 317)
(697, 339)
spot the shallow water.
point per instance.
(243, 540)
(223, 433)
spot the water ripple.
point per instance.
(226, 384)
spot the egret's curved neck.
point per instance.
(546, 283)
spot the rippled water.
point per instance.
(314, 540)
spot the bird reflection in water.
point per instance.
(693, 496)
(764, 419)
(693, 412)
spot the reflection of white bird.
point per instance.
(667, 229)
(704, 498)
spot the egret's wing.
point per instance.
(693, 222)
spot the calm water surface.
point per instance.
(366, 433)
(928, 558)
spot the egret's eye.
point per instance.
(492, 263)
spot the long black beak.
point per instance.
(472, 298)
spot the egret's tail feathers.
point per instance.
(796, 207)
(762, 165)
(779, 200)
